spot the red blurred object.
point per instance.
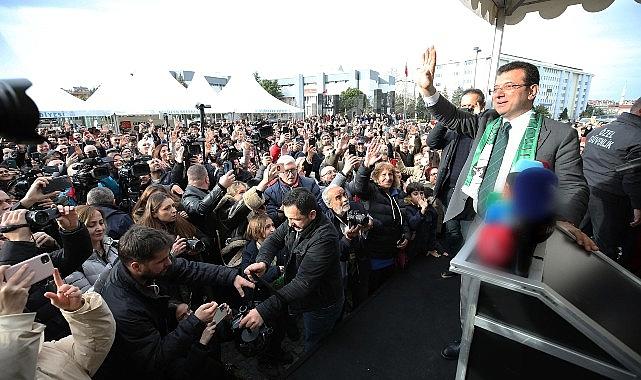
(393, 161)
(496, 245)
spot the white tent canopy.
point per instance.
(511, 12)
(146, 92)
(199, 91)
(55, 102)
(514, 11)
(243, 94)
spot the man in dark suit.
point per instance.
(512, 124)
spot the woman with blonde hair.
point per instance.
(105, 249)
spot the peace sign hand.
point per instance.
(68, 298)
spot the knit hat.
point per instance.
(252, 199)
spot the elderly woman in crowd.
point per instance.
(378, 183)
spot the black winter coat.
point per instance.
(312, 270)
(144, 347)
(76, 250)
(200, 205)
(385, 207)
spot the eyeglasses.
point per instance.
(289, 172)
(508, 87)
(433, 173)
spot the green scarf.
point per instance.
(527, 150)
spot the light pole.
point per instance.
(476, 62)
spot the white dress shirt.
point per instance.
(519, 125)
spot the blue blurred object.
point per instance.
(534, 194)
(524, 164)
(499, 212)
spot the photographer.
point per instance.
(422, 218)
(20, 247)
(351, 245)
(136, 292)
(288, 179)
(312, 271)
(23, 354)
(199, 203)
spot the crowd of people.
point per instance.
(276, 225)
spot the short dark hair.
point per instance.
(302, 198)
(141, 243)
(414, 186)
(477, 92)
(531, 72)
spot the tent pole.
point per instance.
(496, 49)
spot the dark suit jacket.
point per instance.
(558, 145)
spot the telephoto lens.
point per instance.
(195, 245)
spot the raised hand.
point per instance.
(425, 73)
(14, 290)
(67, 298)
(373, 154)
(227, 179)
(68, 219)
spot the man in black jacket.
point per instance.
(20, 247)
(312, 272)
(135, 290)
(456, 147)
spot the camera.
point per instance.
(357, 218)
(249, 342)
(37, 219)
(195, 245)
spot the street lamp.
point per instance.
(476, 62)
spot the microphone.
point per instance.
(534, 202)
(496, 245)
(521, 165)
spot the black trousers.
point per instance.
(608, 221)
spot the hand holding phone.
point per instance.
(221, 313)
(39, 267)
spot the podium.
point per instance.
(576, 316)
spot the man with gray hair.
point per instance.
(118, 221)
(288, 179)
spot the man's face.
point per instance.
(289, 175)
(328, 150)
(338, 201)
(329, 175)
(63, 149)
(326, 139)
(91, 151)
(471, 101)
(296, 219)
(511, 103)
(153, 268)
(43, 148)
(115, 141)
(154, 165)
(63, 141)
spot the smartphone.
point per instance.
(280, 168)
(11, 163)
(228, 166)
(41, 265)
(222, 311)
(57, 184)
(352, 149)
(312, 141)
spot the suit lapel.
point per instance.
(543, 134)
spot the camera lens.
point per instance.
(44, 259)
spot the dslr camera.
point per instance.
(38, 219)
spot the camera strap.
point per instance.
(12, 227)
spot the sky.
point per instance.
(71, 43)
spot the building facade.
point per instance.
(560, 86)
(303, 90)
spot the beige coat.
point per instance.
(24, 355)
